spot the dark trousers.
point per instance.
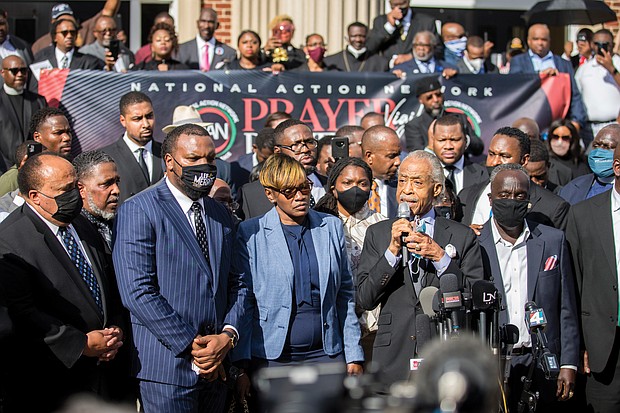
(167, 398)
(603, 388)
(547, 401)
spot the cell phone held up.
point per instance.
(33, 149)
(340, 147)
(114, 48)
(600, 46)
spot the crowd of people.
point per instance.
(155, 271)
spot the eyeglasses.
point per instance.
(15, 70)
(289, 193)
(65, 33)
(296, 146)
(565, 138)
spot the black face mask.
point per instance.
(198, 179)
(353, 199)
(69, 205)
(510, 213)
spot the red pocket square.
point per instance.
(551, 263)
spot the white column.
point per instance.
(135, 25)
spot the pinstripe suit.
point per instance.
(171, 291)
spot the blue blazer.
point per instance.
(265, 265)
(577, 111)
(577, 189)
(553, 290)
(167, 285)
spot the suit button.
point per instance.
(412, 338)
(615, 288)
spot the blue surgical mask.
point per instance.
(601, 162)
(457, 46)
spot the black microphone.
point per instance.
(422, 331)
(452, 298)
(536, 322)
(404, 212)
(484, 296)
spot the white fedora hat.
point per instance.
(182, 116)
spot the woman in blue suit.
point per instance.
(300, 302)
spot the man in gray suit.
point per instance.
(137, 155)
(205, 52)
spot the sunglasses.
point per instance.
(289, 193)
(65, 33)
(15, 70)
(565, 138)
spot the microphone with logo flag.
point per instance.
(484, 297)
(404, 212)
(452, 300)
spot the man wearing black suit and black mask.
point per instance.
(510, 145)
(137, 155)
(593, 234)
(449, 144)
(60, 291)
(444, 247)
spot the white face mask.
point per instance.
(355, 52)
(476, 64)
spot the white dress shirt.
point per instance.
(383, 195)
(512, 260)
(458, 174)
(147, 154)
(317, 187)
(59, 55)
(482, 213)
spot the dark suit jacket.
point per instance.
(171, 290)
(254, 202)
(132, 178)
(240, 173)
(523, 64)
(577, 189)
(489, 68)
(365, 63)
(589, 233)
(379, 283)
(553, 290)
(52, 308)
(380, 41)
(474, 174)
(559, 174)
(79, 60)
(416, 134)
(188, 54)
(12, 134)
(546, 207)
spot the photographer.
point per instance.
(599, 81)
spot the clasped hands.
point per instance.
(208, 352)
(103, 344)
(417, 242)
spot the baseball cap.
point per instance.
(60, 9)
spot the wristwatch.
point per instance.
(233, 337)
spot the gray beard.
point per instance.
(96, 211)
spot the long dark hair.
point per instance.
(575, 148)
(328, 203)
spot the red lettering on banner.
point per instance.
(274, 106)
(356, 116)
(248, 104)
(331, 115)
(308, 115)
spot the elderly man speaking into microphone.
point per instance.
(434, 246)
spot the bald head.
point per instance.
(381, 151)
(11, 64)
(608, 137)
(527, 126)
(452, 31)
(539, 39)
(371, 119)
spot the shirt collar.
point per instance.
(7, 44)
(548, 56)
(356, 53)
(201, 43)
(184, 201)
(59, 54)
(458, 164)
(429, 217)
(53, 227)
(360, 215)
(11, 91)
(497, 238)
(615, 200)
(133, 147)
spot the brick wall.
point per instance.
(615, 6)
(224, 13)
